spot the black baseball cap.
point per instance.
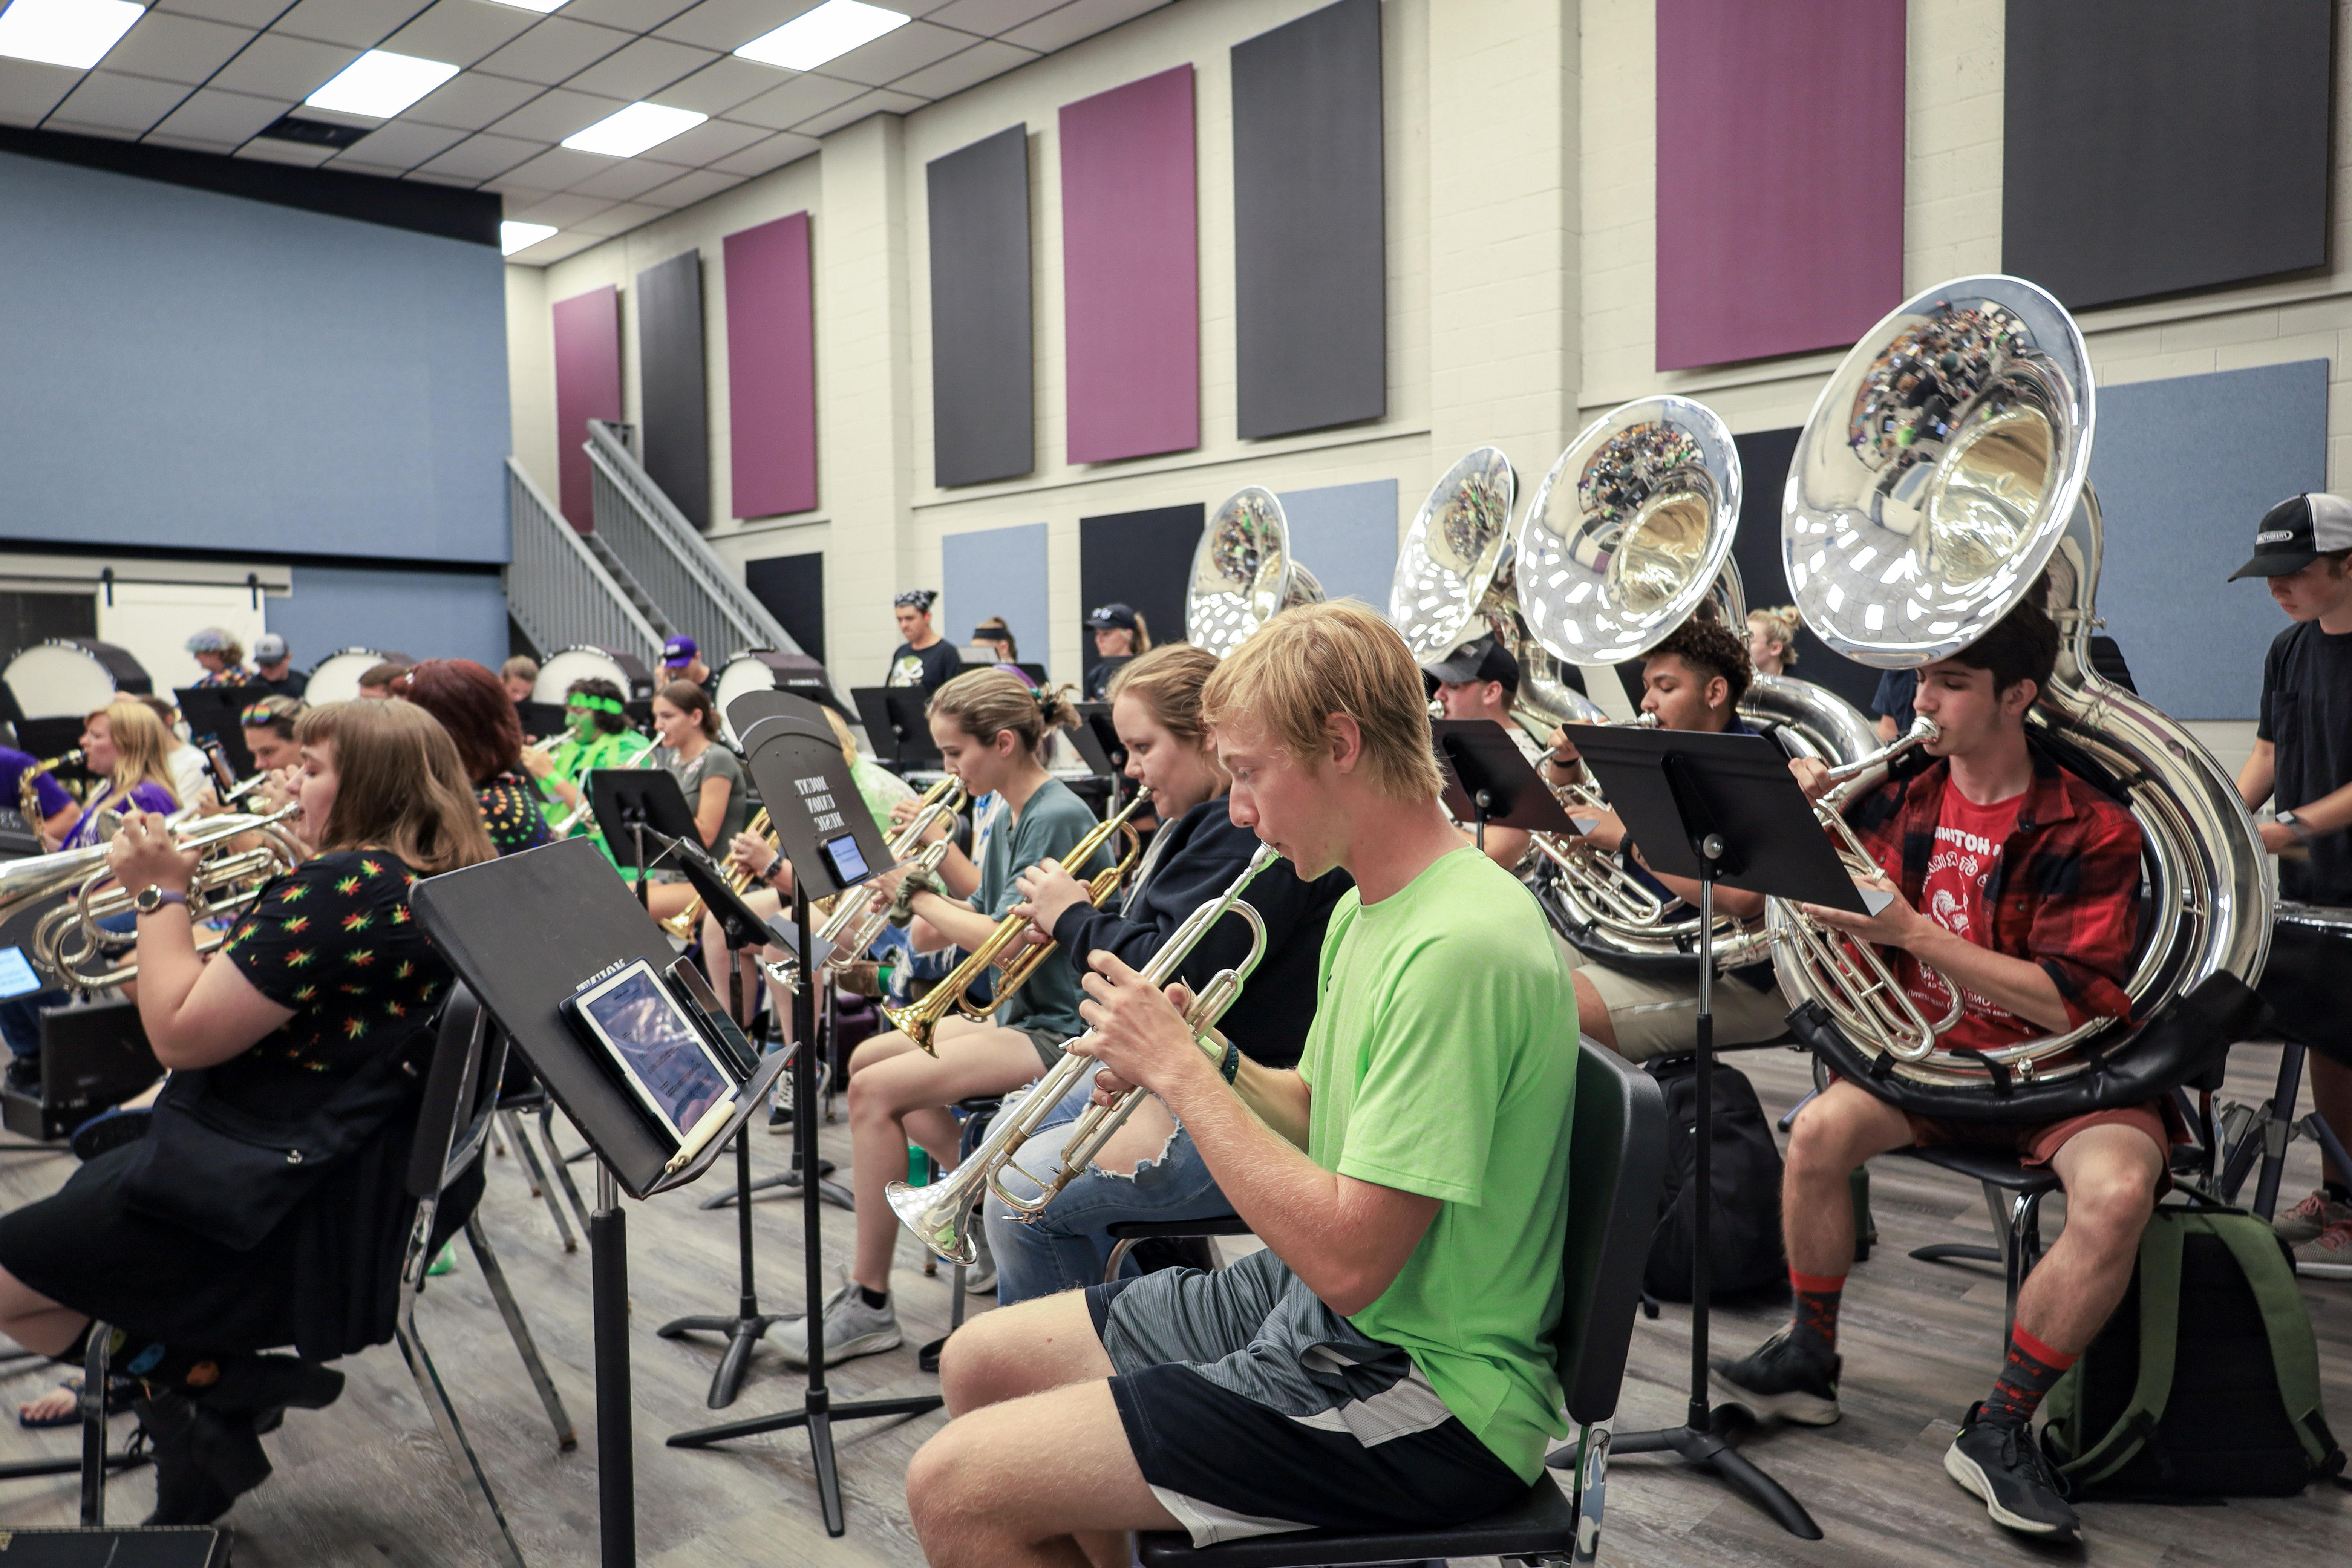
(2297, 531)
(1481, 659)
(1111, 617)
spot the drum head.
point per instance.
(67, 678)
(744, 672)
(586, 662)
(336, 678)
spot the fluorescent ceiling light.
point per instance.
(75, 33)
(514, 236)
(631, 131)
(832, 30)
(381, 84)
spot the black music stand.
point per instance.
(213, 711)
(1717, 809)
(895, 721)
(582, 921)
(632, 804)
(1492, 780)
(825, 831)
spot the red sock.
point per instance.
(2030, 1370)
(1815, 1321)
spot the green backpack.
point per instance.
(2205, 1383)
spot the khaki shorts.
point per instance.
(1657, 1016)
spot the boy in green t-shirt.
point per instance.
(1386, 1360)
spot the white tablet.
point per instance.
(661, 1055)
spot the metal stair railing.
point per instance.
(557, 592)
(698, 591)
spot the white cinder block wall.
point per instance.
(1521, 229)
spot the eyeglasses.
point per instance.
(260, 713)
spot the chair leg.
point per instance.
(1969, 1251)
(1119, 1251)
(1591, 1486)
(2021, 1250)
(469, 1465)
(94, 1370)
(561, 1165)
(566, 1439)
(540, 1187)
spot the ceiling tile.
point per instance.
(398, 144)
(1079, 19)
(794, 101)
(480, 157)
(456, 181)
(278, 67)
(897, 52)
(363, 24)
(470, 101)
(773, 153)
(989, 17)
(187, 143)
(177, 49)
(269, 149)
(460, 31)
(214, 115)
(29, 90)
(643, 70)
(563, 210)
(557, 113)
(729, 24)
(553, 50)
(881, 100)
(625, 179)
(629, 15)
(688, 189)
(555, 247)
(108, 100)
(244, 12)
(705, 144)
(956, 72)
(620, 219)
(557, 169)
(720, 85)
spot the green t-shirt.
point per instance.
(1442, 1062)
(572, 761)
(1052, 822)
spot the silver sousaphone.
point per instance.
(1244, 573)
(1939, 482)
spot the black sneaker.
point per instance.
(1781, 1378)
(1999, 1462)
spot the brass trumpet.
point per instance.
(940, 1215)
(851, 926)
(681, 924)
(921, 1020)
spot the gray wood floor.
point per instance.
(366, 1482)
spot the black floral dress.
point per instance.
(510, 811)
(335, 941)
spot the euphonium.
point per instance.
(28, 794)
(919, 1020)
(852, 925)
(940, 1215)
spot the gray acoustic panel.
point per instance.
(2157, 145)
(1310, 259)
(983, 423)
(1140, 559)
(792, 589)
(674, 400)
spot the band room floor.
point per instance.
(366, 1483)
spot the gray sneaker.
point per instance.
(2308, 1219)
(851, 1329)
(980, 1279)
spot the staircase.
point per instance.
(560, 590)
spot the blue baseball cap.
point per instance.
(679, 652)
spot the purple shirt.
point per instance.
(146, 797)
(46, 788)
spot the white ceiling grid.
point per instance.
(208, 75)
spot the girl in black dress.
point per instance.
(204, 1243)
(474, 708)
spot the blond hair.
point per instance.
(987, 702)
(1169, 680)
(142, 742)
(399, 786)
(1311, 663)
(1781, 622)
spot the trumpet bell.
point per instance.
(1939, 471)
(1244, 573)
(1630, 530)
(940, 1215)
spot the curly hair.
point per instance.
(473, 707)
(1711, 648)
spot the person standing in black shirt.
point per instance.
(273, 668)
(925, 662)
(2303, 761)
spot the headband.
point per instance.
(916, 598)
(594, 703)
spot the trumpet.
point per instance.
(29, 794)
(851, 926)
(586, 809)
(920, 1021)
(940, 1214)
(681, 924)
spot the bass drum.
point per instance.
(67, 678)
(336, 678)
(765, 670)
(585, 661)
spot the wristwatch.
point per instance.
(2294, 824)
(154, 896)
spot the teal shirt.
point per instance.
(1052, 822)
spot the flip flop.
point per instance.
(120, 1393)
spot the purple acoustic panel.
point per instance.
(1780, 133)
(1131, 270)
(772, 368)
(587, 387)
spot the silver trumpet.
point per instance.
(940, 1215)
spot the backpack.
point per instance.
(1744, 1221)
(2205, 1383)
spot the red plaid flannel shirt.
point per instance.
(2066, 894)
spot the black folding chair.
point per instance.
(1617, 1157)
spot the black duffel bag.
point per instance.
(1744, 1222)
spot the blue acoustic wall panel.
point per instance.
(2185, 467)
(191, 370)
(996, 572)
(1347, 535)
(424, 614)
